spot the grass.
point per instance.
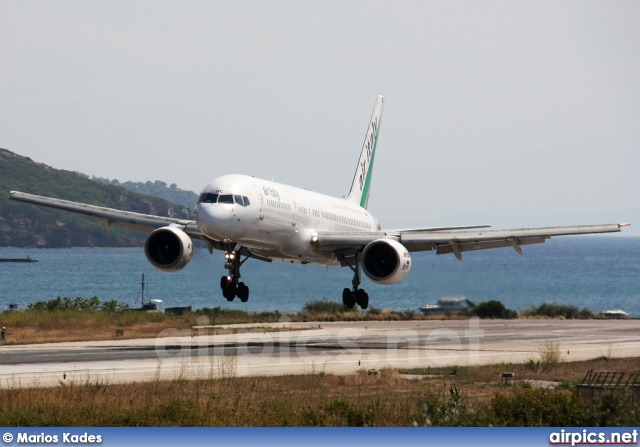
(550, 355)
(72, 325)
(215, 396)
(475, 396)
(63, 319)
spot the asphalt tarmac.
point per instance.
(303, 348)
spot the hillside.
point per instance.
(23, 225)
(157, 189)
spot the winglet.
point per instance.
(359, 193)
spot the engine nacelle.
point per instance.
(168, 249)
(385, 261)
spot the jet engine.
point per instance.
(385, 261)
(168, 249)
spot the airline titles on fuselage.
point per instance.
(270, 192)
(370, 144)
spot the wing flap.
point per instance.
(471, 246)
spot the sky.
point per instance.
(515, 114)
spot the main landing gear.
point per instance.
(229, 283)
(351, 297)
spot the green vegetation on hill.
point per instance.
(157, 189)
(24, 225)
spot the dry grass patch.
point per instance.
(60, 326)
(474, 396)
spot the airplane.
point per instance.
(247, 217)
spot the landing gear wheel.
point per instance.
(243, 292)
(348, 298)
(359, 296)
(362, 299)
(229, 292)
(224, 282)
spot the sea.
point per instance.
(593, 272)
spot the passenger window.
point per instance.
(225, 198)
(246, 201)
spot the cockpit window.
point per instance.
(225, 198)
(208, 197)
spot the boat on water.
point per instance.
(154, 305)
(448, 305)
(27, 259)
(150, 305)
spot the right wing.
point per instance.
(459, 242)
(110, 216)
(455, 242)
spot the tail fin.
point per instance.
(359, 193)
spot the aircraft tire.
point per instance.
(229, 293)
(243, 292)
(362, 299)
(348, 298)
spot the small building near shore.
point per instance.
(448, 305)
(615, 314)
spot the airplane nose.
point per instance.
(213, 219)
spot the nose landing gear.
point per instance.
(229, 283)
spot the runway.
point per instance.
(303, 348)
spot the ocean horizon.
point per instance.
(593, 272)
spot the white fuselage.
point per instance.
(279, 220)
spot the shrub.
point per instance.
(438, 412)
(114, 306)
(78, 304)
(614, 409)
(537, 407)
(493, 309)
(550, 355)
(560, 310)
(532, 365)
(324, 306)
(374, 310)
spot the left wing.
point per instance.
(110, 216)
(456, 242)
